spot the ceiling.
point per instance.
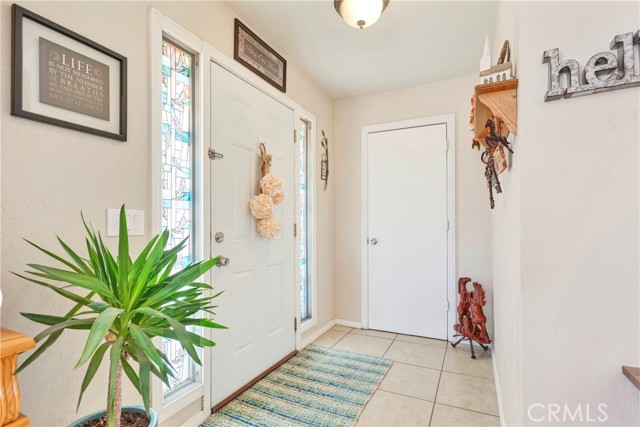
(414, 42)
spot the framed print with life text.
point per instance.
(252, 52)
(62, 78)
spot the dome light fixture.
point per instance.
(360, 13)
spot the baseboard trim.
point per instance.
(317, 334)
(349, 323)
(196, 420)
(498, 391)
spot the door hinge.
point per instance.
(295, 136)
(448, 305)
(295, 324)
(213, 154)
(446, 145)
(295, 230)
(448, 225)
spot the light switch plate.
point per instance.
(135, 222)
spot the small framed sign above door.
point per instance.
(64, 79)
(252, 52)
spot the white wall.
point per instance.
(50, 174)
(570, 224)
(507, 339)
(579, 218)
(472, 200)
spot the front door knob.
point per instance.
(373, 241)
(223, 261)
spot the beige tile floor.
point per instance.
(429, 383)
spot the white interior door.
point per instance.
(258, 300)
(407, 221)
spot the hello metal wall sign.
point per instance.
(604, 71)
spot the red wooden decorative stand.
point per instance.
(472, 322)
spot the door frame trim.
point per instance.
(312, 186)
(450, 121)
(159, 25)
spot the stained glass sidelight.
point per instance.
(305, 286)
(177, 177)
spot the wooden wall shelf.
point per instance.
(499, 99)
(11, 344)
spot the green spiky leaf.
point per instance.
(131, 299)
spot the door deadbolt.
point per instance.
(219, 237)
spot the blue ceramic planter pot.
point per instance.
(153, 417)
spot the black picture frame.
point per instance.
(82, 107)
(271, 59)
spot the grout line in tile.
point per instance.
(420, 344)
(405, 395)
(435, 397)
(439, 378)
(371, 336)
(340, 339)
(377, 389)
(467, 375)
(385, 374)
(385, 352)
(416, 366)
(466, 409)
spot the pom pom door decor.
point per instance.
(270, 193)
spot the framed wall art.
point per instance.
(252, 52)
(64, 79)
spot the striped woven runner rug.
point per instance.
(319, 387)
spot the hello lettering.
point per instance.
(604, 71)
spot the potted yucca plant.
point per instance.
(124, 304)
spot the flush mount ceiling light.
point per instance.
(360, 13)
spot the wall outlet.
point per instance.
(135, 222)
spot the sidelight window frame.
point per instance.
(312, 189)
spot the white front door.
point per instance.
(258, 300)
(407, 221)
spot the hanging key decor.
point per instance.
(270, 193)
(491, 175)
(494, 157)
(324, 163)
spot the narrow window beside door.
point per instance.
(177, 183)
(303, 222)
